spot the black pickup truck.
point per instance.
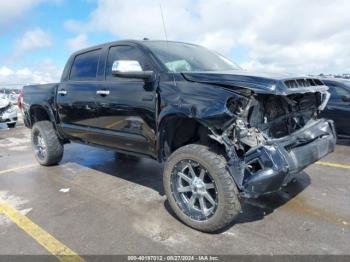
(224, 134)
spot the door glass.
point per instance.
(123, 53)
(338, 92)
(85, 65)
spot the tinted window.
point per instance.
(123, 53)
(337, 92)
(85, 65)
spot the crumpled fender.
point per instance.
(207, 106)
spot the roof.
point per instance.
(127, 41)
(341, 81)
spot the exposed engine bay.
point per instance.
(278, 116)
(273, 137)
(267, 117)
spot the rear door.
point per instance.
(126, 106)
(76, 97)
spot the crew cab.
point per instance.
(224, 134)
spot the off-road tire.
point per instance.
(228, 206)
(54, 148)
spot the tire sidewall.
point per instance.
(37, 129)
(54, 147)
(205, 162)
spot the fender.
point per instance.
(49, 111)
(168, 114)
(209, 109)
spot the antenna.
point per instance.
(166, 37)
(161, 12)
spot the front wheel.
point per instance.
(199, 189)
(47, 147)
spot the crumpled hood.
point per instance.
(4, 103)
(264, 83)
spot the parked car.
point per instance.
(8, 112)
(223, 133)
(13, 97)
(338, 107)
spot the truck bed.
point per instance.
(37, 94)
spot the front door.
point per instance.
(126, 107)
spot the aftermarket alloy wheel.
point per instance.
(199, 188)
(48, 149)
(194, 190)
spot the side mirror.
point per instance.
(345, 98)
(131, 69)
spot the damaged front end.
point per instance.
(271, 138)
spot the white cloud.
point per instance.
(45, 72)
(221, 41)
(78, 42)
(32, 40)
(279, 35)
(10, 10)
(5, 71)
(73, 25)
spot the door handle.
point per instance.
(147, 98)
(103, 92)
(62, 92)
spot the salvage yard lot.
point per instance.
(111, 206)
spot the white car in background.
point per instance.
(8, 112)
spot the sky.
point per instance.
(280, 36)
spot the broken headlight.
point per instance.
(236, 105)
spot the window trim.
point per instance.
(106, 62)
(79, 79)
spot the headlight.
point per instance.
(236, 105)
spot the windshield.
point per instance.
(181, 57)
(346, 83)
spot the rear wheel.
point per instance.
(199, 188)
(48, 149)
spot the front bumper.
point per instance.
(273, 165)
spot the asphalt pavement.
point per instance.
(95, 203)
